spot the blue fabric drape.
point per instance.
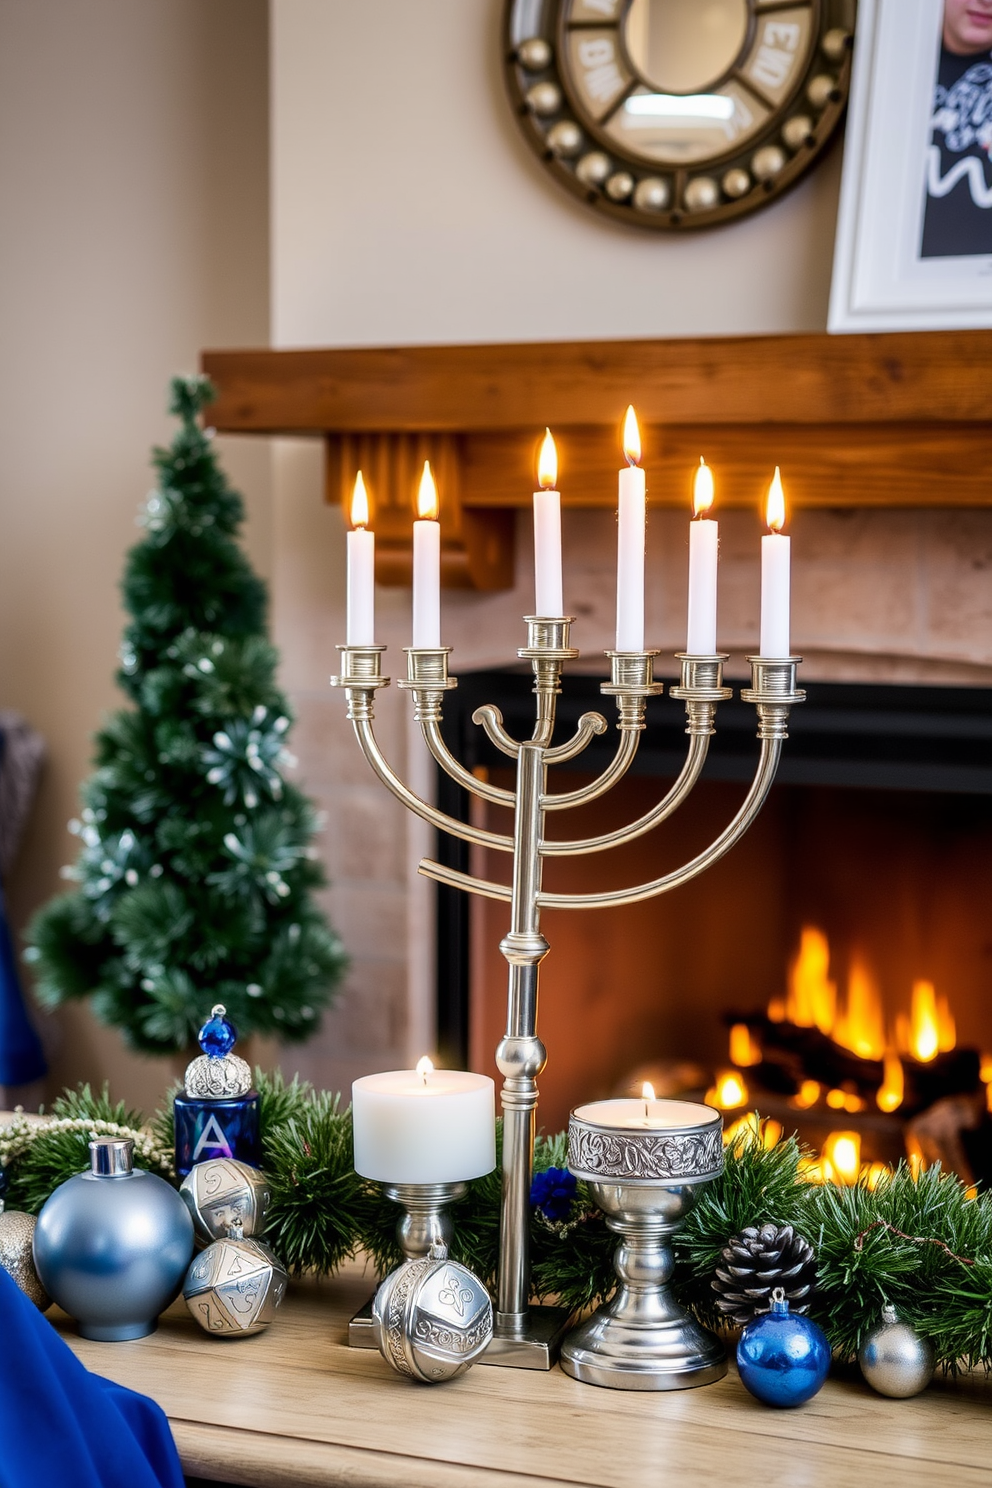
(21, 1058)
(63, 1427)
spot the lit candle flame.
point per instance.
(359, 503)
(702, 489)
(427, 502)
(775, 506)
(425, 1068)
(631, 437)
(647, 1094)
(547, 463)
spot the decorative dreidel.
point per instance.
(234, 1286)
(223, 1195)
(432, 1318)
(218, 1114)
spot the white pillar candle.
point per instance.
(630, 1114)
(547, 534)
(427, 564)
(704, 542)
(776, 564)
(630, 542)
(424, 1125)
(360, 626)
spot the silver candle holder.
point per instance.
(424, 1226)
(530, 1337)
(645, 1182)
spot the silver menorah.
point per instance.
(525, 1336)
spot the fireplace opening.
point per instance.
(833, 972)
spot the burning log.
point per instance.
(790, 1054)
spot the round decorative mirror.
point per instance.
(678, 113)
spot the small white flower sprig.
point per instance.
(20, 1133)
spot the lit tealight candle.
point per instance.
(360, 629)
(630, 1114)
(427, 564)
(424, 1125)
(776, 563)
(704, 540)
(547, 533)
(630, 542)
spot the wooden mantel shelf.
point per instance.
(880, 420)
(295, 1406)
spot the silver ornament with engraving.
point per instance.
(16, 1258)
(234, 1287)
(224, 1195)
(208, 1078)
(432, 1317)
(894, 1359)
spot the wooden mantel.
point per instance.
(880, 420)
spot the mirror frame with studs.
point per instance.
(565, 112)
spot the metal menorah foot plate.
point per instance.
(536, 1346)
(360, 1331)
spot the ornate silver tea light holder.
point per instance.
(646, 1163)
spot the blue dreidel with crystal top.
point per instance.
(218, 1114)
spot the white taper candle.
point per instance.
(360, 624)
(776, 580)
(630, 542)
(427, 565)
(547, 534)
(704, 542)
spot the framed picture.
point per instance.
(914, 234)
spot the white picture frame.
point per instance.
(880, 280)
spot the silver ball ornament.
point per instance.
(16, 1237)
(234, 1286)
(565, 138)
(534, 54)
(894, 1359)
(544, 99)
(701, 194)
(619, 186)
(594, 168)
(224, 1195)
(767, 162)
(652, 194)
(736, 183)
(431, 1318)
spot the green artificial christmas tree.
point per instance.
(196, 871)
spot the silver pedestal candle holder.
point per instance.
(424, 1224)
(645, 1182)
(530, 1337)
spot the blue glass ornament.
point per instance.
(218, 1035)
(111, 1246)
(218, 1114)
(783, 1358)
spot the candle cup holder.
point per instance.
(424, 1223)
(529, 1337)
(645, 1182)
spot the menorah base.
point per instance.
(536, 1345)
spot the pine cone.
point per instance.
(756, 1261)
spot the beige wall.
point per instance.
(133, 177)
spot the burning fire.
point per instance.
(729, 1092)
(743, 1049)
(859, 1025)
(841, 1157)
(752, 1125)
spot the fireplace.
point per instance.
(841, 953)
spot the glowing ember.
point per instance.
(743, 1050)
(892, 1088)
(807, 1095)
(729, 1091)
(841, 1157)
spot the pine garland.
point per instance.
(923, 1243)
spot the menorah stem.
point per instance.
(521, 1056)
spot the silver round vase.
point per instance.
(112, 1245)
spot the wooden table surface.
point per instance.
(295, 1406)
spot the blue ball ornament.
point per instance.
(782, 1357)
